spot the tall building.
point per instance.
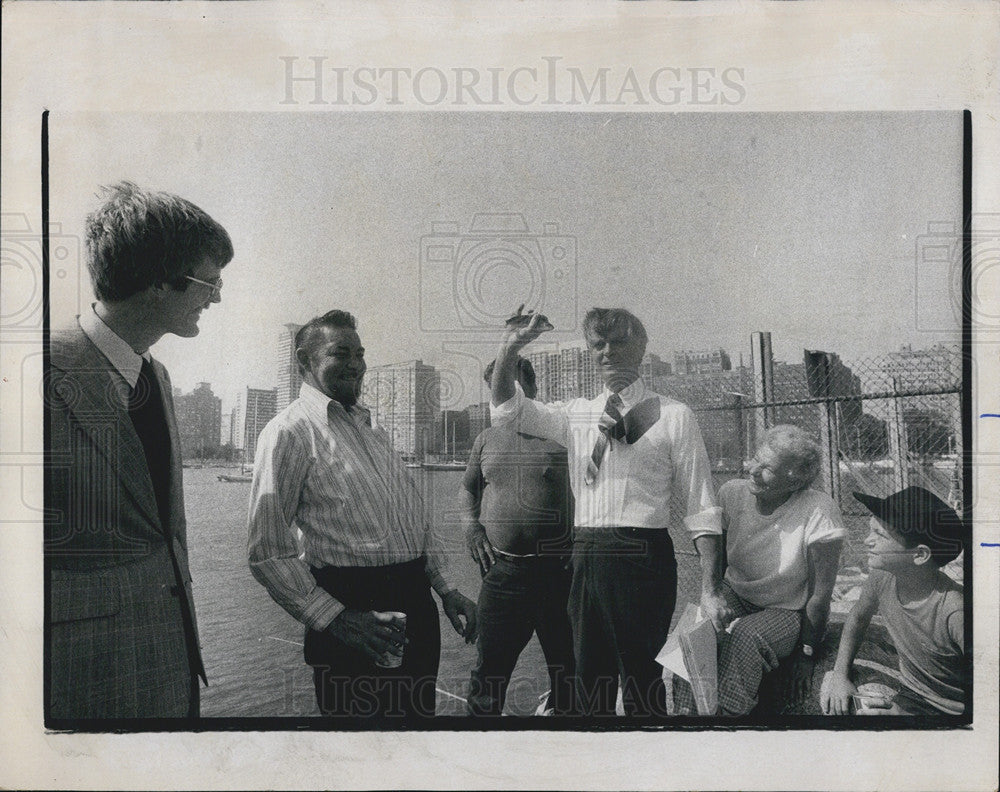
(566, 373)
(289, 378)
(261, 407)
(545, 363)
(709, 394)
(199, 422)
(694, 361)
(924, 369)
(934, 421)
(404, 398)
(226, 432)
(479, 418)
(651, 368)
(236, 426)
(728, 430)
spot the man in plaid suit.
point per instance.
(120, 635)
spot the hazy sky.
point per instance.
(707, 226)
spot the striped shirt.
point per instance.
(637, 481)
(323, 471)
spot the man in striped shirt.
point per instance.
(368, 555)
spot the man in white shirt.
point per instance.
(367, 556)
(121, 639)
(631, 452)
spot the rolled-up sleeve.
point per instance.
(280, 469)
(692, 479)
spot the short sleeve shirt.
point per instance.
(929, 638)
(767, 555)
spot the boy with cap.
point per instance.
(912, 535)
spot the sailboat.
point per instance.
(245, 474)
(449, 461)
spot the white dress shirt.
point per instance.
(324, 471)
(119, 354)
(636, 482)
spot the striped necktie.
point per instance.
(610, 426)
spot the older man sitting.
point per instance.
(783, 543)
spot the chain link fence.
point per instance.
(884, 423)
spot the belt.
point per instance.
(563, 554)
(505, 554)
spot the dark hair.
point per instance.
(916, 516)
(612, 321)
(524, 368)
(138, 239)
(312, 331)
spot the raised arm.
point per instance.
(514, 340)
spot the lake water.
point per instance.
(253, 649)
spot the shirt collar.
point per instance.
(631, 396)
(119, 354)
(318, 401)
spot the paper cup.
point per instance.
(390, 660)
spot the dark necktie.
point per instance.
(610, 426)
(145, 408)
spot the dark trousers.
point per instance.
(520, 596)
(347, 682)
(621, 602)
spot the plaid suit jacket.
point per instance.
(121, 638)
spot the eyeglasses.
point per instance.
(216, 287)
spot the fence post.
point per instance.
(898, 441)
(819, 382)
(763, 382)
(741, 436)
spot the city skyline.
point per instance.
(432, 227)
(406, 397)
(540, 347)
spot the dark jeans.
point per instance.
(347, 682)
(520, 596)
(621, 602)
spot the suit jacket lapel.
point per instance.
(176, 495)
(93, 392)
